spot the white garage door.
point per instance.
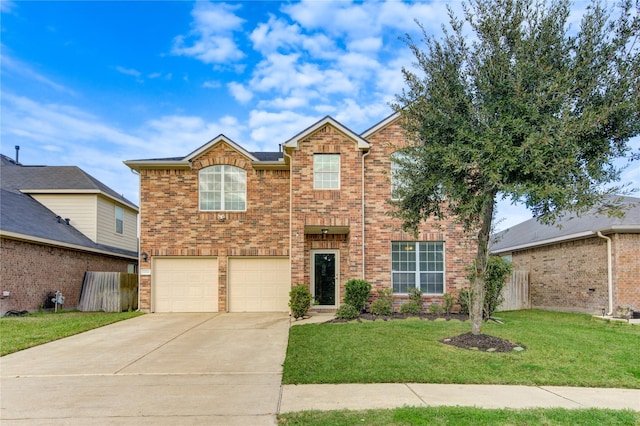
(185, 284)
(259, 285)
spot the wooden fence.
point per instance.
(516, 292)
(109, 292)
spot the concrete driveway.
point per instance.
(154, 369)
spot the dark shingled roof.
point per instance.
(22, 214)
(268, 156)
(532, 233)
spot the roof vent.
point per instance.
(59, 219)
(66, 219)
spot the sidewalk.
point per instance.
(393, 395)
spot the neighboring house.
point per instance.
(56, 223)
(224, 229)
(587, 263)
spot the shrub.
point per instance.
(449, 300)
(495, 275)
(498, 269)
(415, 295)
(435, 309)
(356, 293)
(411, 308)
(299, 300)
(464, 299)
(347, 311)
(383, 305)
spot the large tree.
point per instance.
(511, 102)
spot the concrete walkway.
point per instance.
(362, 397)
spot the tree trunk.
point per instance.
(477, 301)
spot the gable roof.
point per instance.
(24, 218)
(532, 233)
(257, 158)
(293, 142)
(55, 179)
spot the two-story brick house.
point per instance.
(224, 229)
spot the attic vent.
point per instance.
(66, 219)
(59, 218)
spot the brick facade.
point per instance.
(626, 270)
(572, 275)
(31, 271)
(284, 213)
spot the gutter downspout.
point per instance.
(364, 154)
(284, 152)
(609, 272)
(139, 222)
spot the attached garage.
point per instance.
(259, 284)
(185, 284)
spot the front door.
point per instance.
(325, 277)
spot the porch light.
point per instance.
(144, 256)
(325, 231)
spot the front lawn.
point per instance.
(560, 349)
(41, 327)
(461, 416)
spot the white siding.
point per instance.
(106, 229)
(80, 208)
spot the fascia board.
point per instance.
(545, 242)
(293, 142)
(215, 141)
(160, 164)
(381, 125)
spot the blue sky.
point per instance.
(95, 83)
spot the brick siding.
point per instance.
(172, 225)
(31, 271)
(626, 267)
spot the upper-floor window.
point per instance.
(397, 159)
(119, 220)
(417, 264)
(223, 188)
(326, 171)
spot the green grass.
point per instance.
(19, 333)
(461, 416)
(561, 349)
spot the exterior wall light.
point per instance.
(325, 231)
(144, 256)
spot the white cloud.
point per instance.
(271, 128)
(6, 6)
(368, 44)
(211, 84)
(14, 67)
(211, 39)
(128, 71)
(239, 92)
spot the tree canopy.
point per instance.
(512, 102)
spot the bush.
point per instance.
(299, 300)
(464, 299)
(383, 305)
(448, 300)
(356, 293)
(435, 309)
(411, 308)
(347, 312)
(495, 275)
(415, 295)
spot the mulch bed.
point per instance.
(479, 342)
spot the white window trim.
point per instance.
(339, 172)
(417, 272)
(222, 201)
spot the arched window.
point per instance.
(222, 188)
